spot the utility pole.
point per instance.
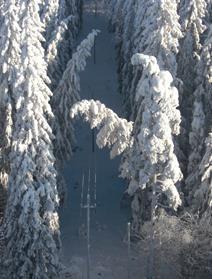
(94, 52)
(88, 206)
(150, 274)
(96, 8)
(82, 194)
(129, 248)
(94, 47)
(93, 140)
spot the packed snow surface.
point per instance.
(109, 220)
(109, 258)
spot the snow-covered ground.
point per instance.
(109, 222)
(109, 258)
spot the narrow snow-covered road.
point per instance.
(109, 222)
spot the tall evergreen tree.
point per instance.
(31, 216)
(157, 34)
(153, 147)
(58, 46)
(192, 19)
(202, 115)
(151, 27)
(203, 196)
(62, 21)
(192, 14)
(9, 74)
(49, 16)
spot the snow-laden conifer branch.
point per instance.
(66, 94)
(114, 132)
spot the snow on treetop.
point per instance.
(114, 132)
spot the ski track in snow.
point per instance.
(109, 223)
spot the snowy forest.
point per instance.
(105, 139)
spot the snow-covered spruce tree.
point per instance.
(115, 13)
(202, 116)
(66, 94)
(124, 50)
(9, 72)
(192, 13)
(202, 202)
(121, 17)
(114, 132)
(156, 168)
(32, 230)
(62, 10)
(9, 68)
(56, 44)
(204, 76)
(70, 7)
(164, 42)
(151, 27)
(49, 16)
(60, 41)
(192, 18)
(159, 37)
(197, 135)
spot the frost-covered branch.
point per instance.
(66, 94)
(114, 132)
